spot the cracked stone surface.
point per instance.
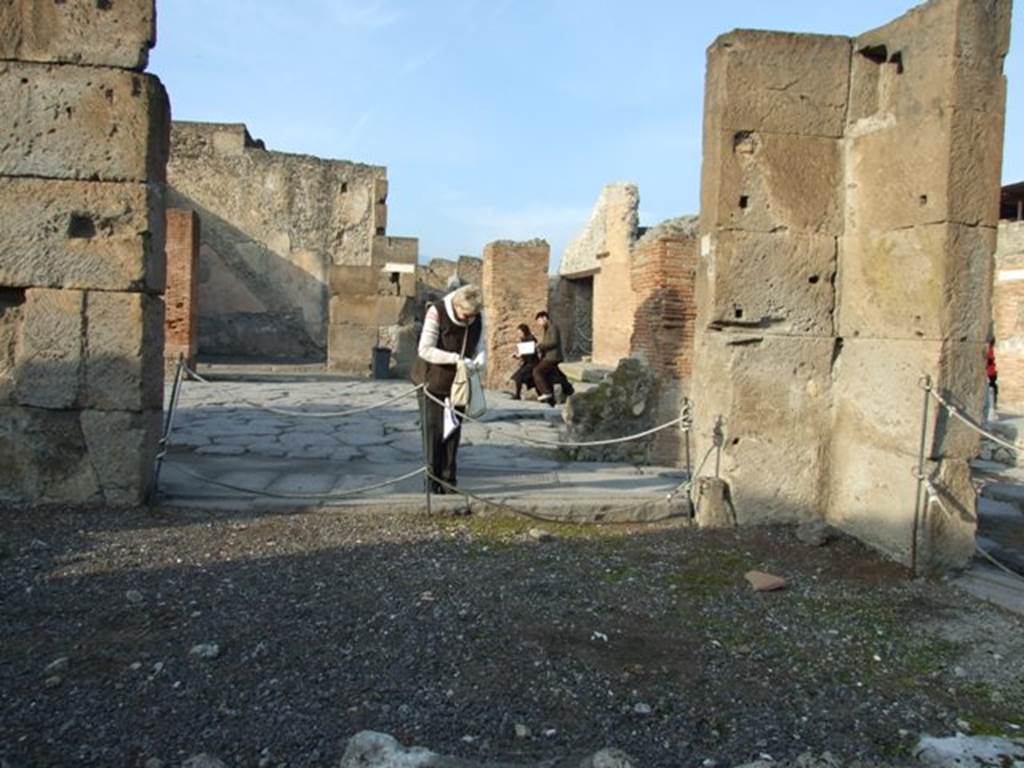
(223, 432)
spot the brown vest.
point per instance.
(450, 337)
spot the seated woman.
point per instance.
(524, 374)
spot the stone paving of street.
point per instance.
(222, 432)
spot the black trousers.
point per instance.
(440, 454)
(546, 374)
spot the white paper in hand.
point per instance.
(451, 418)
(527, 347)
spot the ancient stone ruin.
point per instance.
(626, 291)
(515, 287)
(594, 301)
(849, 211)
(83, 150)
(850, 195)
(181, 327)
(295, 261)
(1008, 313)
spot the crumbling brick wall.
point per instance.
(663, 268)
(850, 194)
(1008, 314)
(180, 331)
(515, 288)
(83, 151)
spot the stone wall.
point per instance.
(82, 161)
(372, 306)
(439, 276)
(180, 328)
(515, 288)
(602, 250)
(1008, 314)
(273, 226)
(849, 195)
(663, 266)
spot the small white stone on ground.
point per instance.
(522, 732)
(641, 708)
(203, 760)
(57, 665)
(610, 758)
(206, 650)
(539, 534)
(133, 596)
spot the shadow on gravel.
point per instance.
(450, 632)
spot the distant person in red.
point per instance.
(992, 373)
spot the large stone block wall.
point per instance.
(82, 164)
(273, 225)
(372, 306)
(849, 199)
(603, 250)
(1008, 315)
(664, 262)
(180, 329)
(515, 288)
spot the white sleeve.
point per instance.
(428, 349)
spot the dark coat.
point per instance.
(450, 338)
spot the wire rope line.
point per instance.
(305, 496)
(998, 564)
(957, 413)
(315, 414)
(500, 504)
(934, 494)
(568, 443)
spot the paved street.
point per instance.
(223, 432)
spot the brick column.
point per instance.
(515, 288)
(180, 306)
(662, 277)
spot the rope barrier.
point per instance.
(682, 421)
(316, 414)
(545, 519)
(953, 410)
(305, 496)
(934, 494)
(569, 443)
(998, 564)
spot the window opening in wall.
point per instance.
(744, 201)
(897, 59)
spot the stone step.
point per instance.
(585, 372)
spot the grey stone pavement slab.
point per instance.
(1000, 531)
(228, 451)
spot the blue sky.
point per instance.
(495, 118)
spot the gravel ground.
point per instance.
(451, 632)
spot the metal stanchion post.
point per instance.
(168, 424)
(926, 384)
(427, 480)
